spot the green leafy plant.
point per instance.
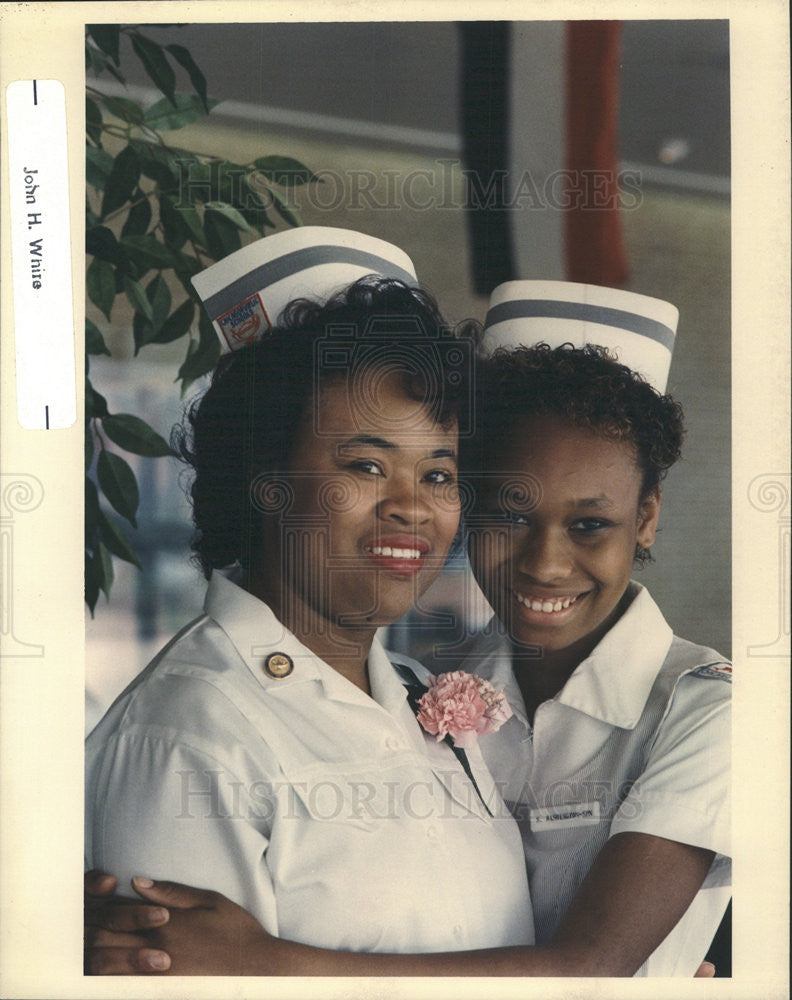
(155, 215)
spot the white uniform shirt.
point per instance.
(638, 739)
(328, 814)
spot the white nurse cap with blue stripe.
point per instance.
(245, 292)
(638, 330)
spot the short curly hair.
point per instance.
(246, 422)
(586, 386)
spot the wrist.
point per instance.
(267, 955)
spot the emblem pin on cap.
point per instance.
(244, 293)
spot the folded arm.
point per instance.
(634, 894)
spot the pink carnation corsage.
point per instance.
(462, 706)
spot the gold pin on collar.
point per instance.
(278, 665)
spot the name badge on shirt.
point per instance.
(566, 816)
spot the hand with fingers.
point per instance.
(180, 930)
(116, 930)
(177, 930)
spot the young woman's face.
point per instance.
(554, 532)
(374, 505)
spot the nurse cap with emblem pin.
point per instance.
(637, 330)
(245, 292)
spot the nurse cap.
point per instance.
(245, 292)
(638, 330)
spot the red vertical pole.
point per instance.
(593, 238)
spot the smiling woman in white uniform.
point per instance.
(616, 759)
(270, 751)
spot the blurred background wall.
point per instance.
(382, 111)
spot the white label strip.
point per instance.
(41, 254)
(565, 817)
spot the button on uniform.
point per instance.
(278, 665)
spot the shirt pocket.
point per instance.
(340, 794)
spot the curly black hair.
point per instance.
(586, 386)
(244, 425)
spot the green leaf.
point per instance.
(197, 79)
(93, 121)
(116, 541)
(94, 341)
(134, 435)
(133, 271)
(93, 582)
(286, 211)
(98, 574)
(185, 268)
(173, 224)
(101, 242)
(222, 235)
(155, 64)
(176, 325)
(161, 165)
(139, 217)
(92, 523)
(122, 181)
(285, 170)
(232, 214)
(89, 445)
(95, 403)
(98, 167)
(138, 298)
(107, 37)
(123, 108)
(116, 73)
(228, 182)
(192, 221)
(91, 218)
(199, 183)
(167, 116)
(91, 512)
(254, 208)
(107, 568)
(148, 252)
(100, 285)
(142, 331)
(186, 262)
(95, 59)
(118, 484)
(202, 354)
(159, 296)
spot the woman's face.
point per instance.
(372, 507)
(554, 532)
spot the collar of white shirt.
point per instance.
(613, 683)
(255, 632)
